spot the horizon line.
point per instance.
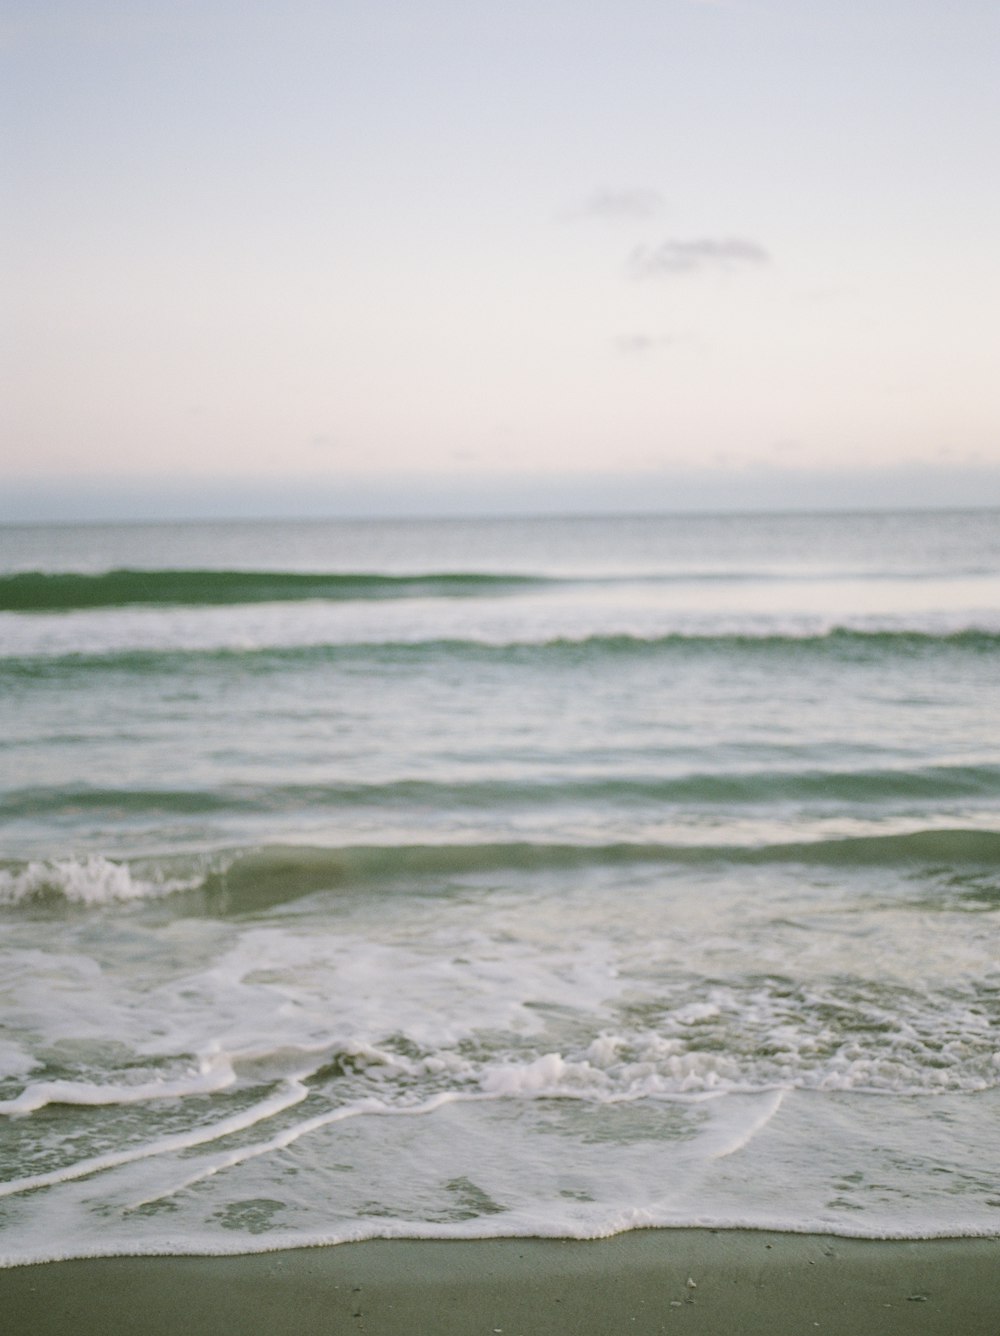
(472, 517)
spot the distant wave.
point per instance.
(837, 642)
(67, 591)
(927, 783)
(250, 880)
(43, 591)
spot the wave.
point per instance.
(87, 881)
(65, 591)
(838, 642)
(252, 879)
(760, 786)
(313, 867)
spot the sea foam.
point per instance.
(89, 881)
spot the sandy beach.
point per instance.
(737, 1283)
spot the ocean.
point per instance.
(500, 877)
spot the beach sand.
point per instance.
(729, 1282)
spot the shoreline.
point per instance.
(645, 1282)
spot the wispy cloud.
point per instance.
(686, 257)
(629, 203)
(642, 343)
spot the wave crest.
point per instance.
(65, 591)
(89, 881)
(248, 879)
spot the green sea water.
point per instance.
(497, 877)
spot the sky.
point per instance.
(462, 256)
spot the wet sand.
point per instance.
(729, 1283)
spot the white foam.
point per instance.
(359, 1172)
(210, 1076)
(88, 881)
(289, 1135)
(15, 1061)
(578, 1065)
(550, 1074)
(641, 610)
(738, 1138)
(291, 1092)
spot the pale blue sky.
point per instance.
(393, 255)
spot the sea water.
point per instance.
(456, 879)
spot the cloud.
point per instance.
(630, 203)
(687, 257)
(642, 343)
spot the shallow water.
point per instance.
(539, 876)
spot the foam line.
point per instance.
(291, 1092)
(219, 1076)
(292, 1134)
(375, 1108)
(771, 1104)
(27, 652)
